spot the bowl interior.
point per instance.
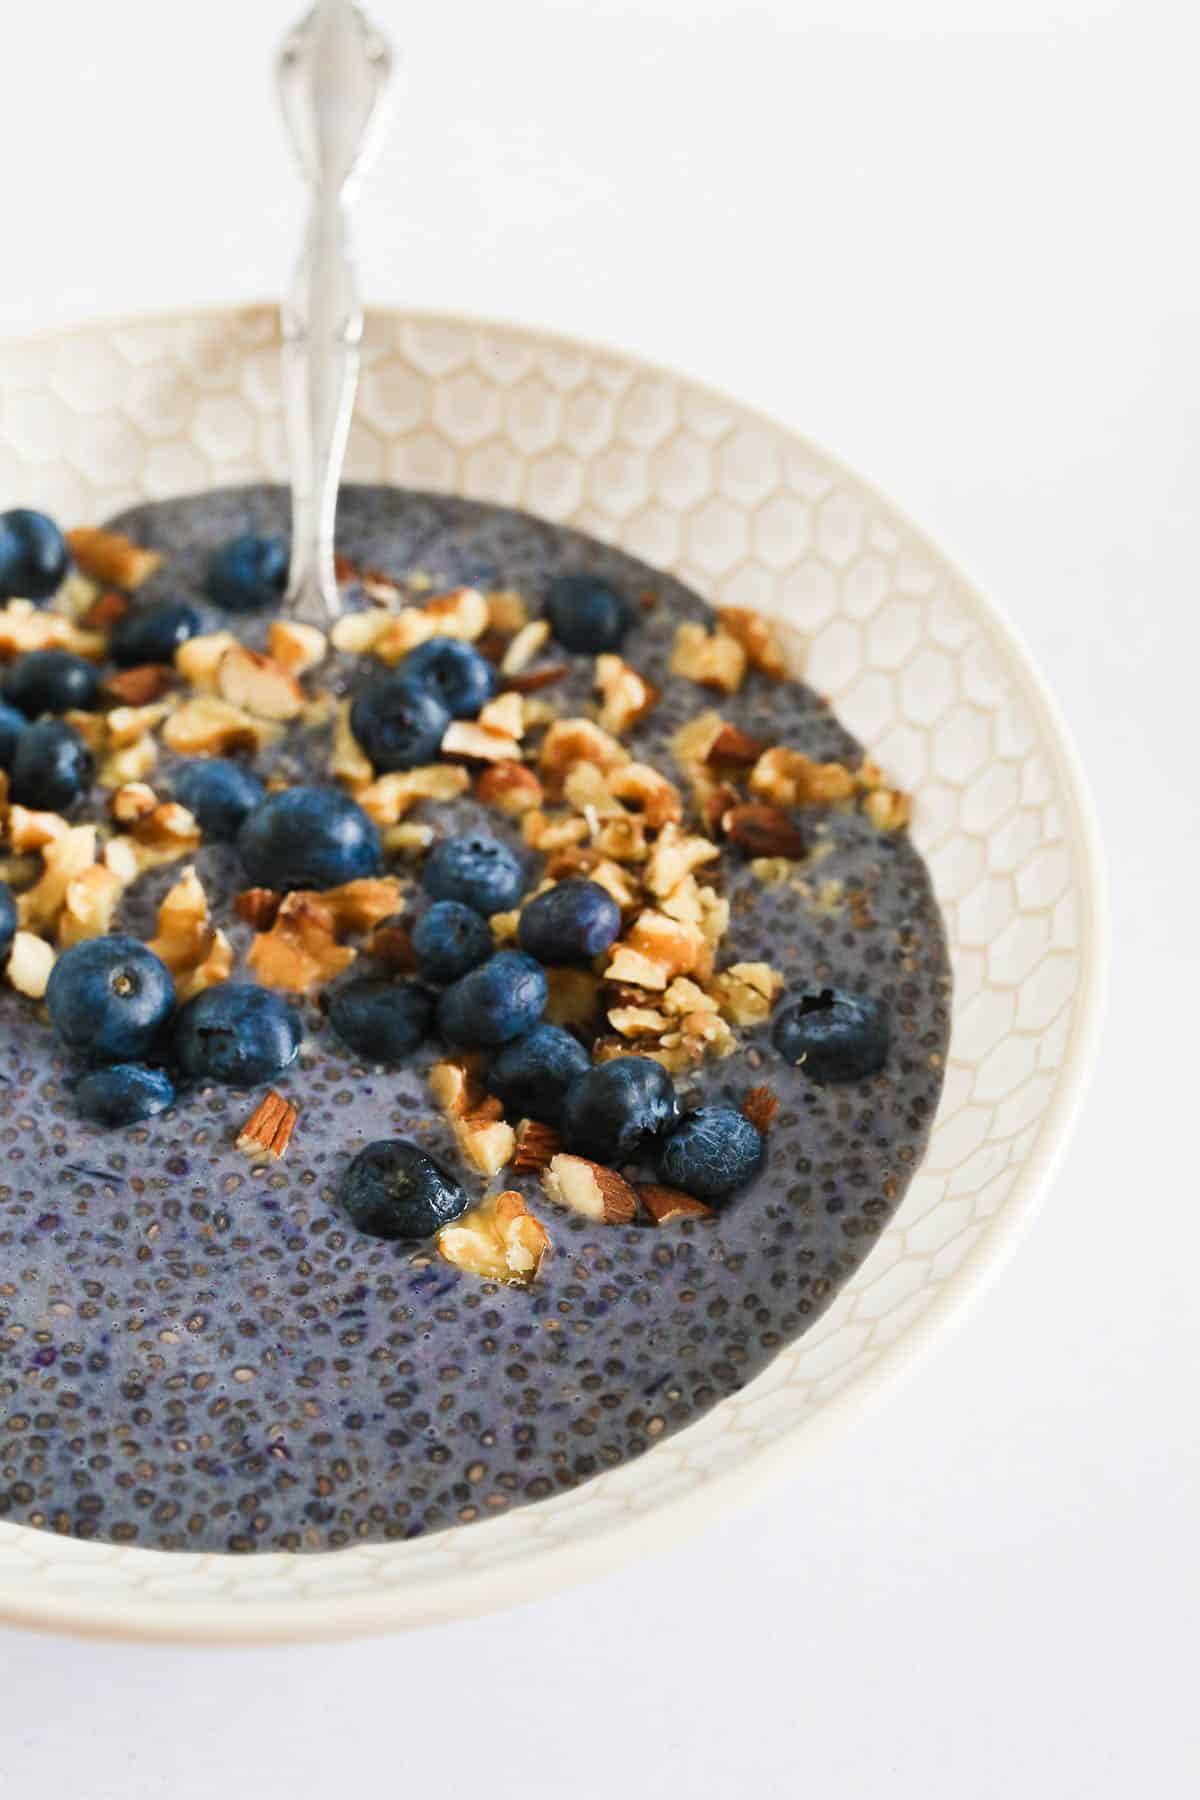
(746, 513)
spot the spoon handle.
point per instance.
(332, 72)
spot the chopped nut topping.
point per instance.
(24, 626)
(674, 857)
(760, 1107)
(790, 778)
(259, 685)
(586, 789)
(621, 840)
(29, 964)
(390, 797)
(92, 728)
(625, 695)
(132, 802)
(733, 747)
(350, 762)
(504, 926)
(638, 1021)
(504, 713)
(258, 907)
(537, 1146)
(210, 726)
(635, 968)
(360, 905)
(104, 612)
(89, 904)
(455, 1085)
(301, 948)
(677, 946)
(543, 831)
(510, 787)
(590, 1189)
(524, 647)
(463, 737)
(485, 1139)
(499, 1240)
(34, 830)
(408, 839)
(140, 686)
(170, 827)
(110, 558)
(571, 741)
(887, 808)
(656, 799)
(715, 660)
(122, 767)
(268, 1130)
(507, 611)
(358, 632)
(531, 681)
(764, 831)
(392, 945)
(462, 614)
(198, 659)
(63, 857)
(574, 997)
(746, 992)
(128, 724)
(198, 955)
(757, 637)
(296, 648)
(666, 1203)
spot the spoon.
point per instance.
(332, 73)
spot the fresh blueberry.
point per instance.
(51, 767)
(152, 634)
(477, 869)
(833, 1036)
(500, 1000)
(618, 1109)
(109, 997)
(8, 918)
(308, 838)
(124, 1094)
(450, 940)
(51, 681)
(399, 723)
(587, 614)
(452, 671)
(248, 574)
(12, 724)
(711, 1153)
(570, 923)
(532, 1075)
(381, 1021)
(238, 1033)
(219, 793)
(392, 1189)
(33, 555)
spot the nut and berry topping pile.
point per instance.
(564, 964)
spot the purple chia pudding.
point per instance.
(201, 1352)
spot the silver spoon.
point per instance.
(332, 73)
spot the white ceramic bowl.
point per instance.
(916, 664)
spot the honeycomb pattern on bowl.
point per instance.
(95, 419)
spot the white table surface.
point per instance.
(977, 222)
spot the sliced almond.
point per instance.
(591, 1190)
(259, 684)
(30, 961)
(111, 558)
(296, 648)
(524, 647)
(887, 808)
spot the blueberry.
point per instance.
(500, 1000)
(454, 672)
(399, 723)
(393, 1190)
(711, 1153)
(532, 1075)
(381, 1020)
(109, 997)
(237, 1033)
(477, 869)
(33, 555)
(220, 794)
(51, 681)
(833, 1036)
(12, 724)
(51, 767)
(124, 1094)
(450, 940)
(570, 923)
(308, 838)
(248, 573)
(152, 634)
(618, 1109)
(587, 614)
(8, 918)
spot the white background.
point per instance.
(956, 242)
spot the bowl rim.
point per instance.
(768, 1466)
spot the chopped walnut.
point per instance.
(625, 695)
(635, 968)
(499, 1240)
(390, 797)
(479, 743)
(63, 858)
(621, 840)
(301, 948)
(409, 839)
(656, 799)
(573, 997)
(127, 724)
(510, 787)
(757, 637)
(258, 907)
(89, 904)
(170, 827)
(790, 778)
(259, 685)
(124, 766)
(507, 611)
(571, 741)
(199, 658)
(111, 558)
(674, 857)
(361, 905)
(586, 789)
(887, 808)
(638, 1021)
(462, 614)
(485, 1139)
(715, 659)
(210, 726)
(350, 762)
(356, 633)
(296, 648)
(34, 830)
(676, 945)
(746, 992)
(30, 961)
(548, 832)
(24, 626)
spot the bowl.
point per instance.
(747, 513)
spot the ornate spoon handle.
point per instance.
(332, 73)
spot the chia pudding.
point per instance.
(199, 1348)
